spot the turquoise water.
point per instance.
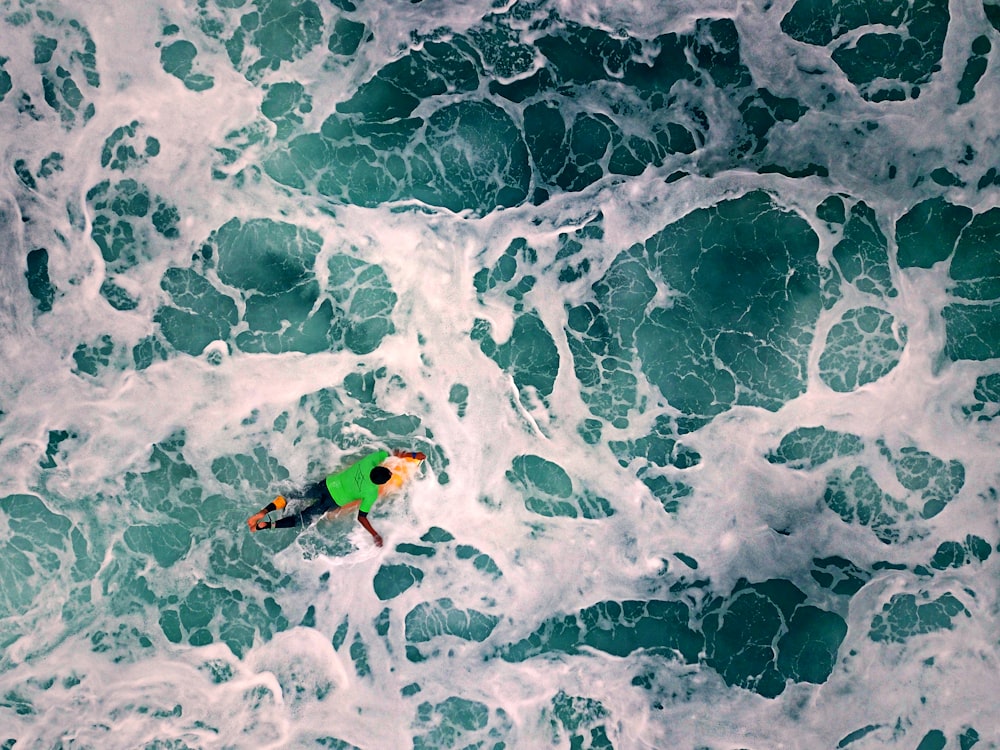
(694, 309)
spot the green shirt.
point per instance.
(353, 482)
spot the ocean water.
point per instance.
(693, 307)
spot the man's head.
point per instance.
(379, 475)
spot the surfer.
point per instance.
(358, 483)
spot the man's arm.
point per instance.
(363, 520)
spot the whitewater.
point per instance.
(694, 309)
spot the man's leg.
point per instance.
(303, 509)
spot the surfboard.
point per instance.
(403, 470)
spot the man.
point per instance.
(358, 483)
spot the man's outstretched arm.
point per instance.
(363, 520)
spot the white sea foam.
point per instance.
(76, 668)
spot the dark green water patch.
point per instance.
(261, 255)
(33, 546)
(438, 126)
(975, 67)
(258, 37)
(992, 9)
(548, 490)
(209, 614)
(839, 575)
(583, 719)
(957, 554)
(210, 610)
(907, 615)
(127, 148)
(415, 550)
(884, 65)
(39, 284)
(743, 275)
(166, 543)
(669, 492)
(853, 492)
(54, 454)
(437, 535)
(510, 272)
(150, 349)
(973, 330)
(167, 483)
(758, 637)
(200, 314)
(117, 297)
(990, 177)
(935, 481)
(927, 233)
(474, 142)
(270, 266)
(832, 211)
(863, 346)
(425, 72)
(529, 355)
(441, 617)
(465, 156)
(986, 395)
(662, 447)
(6, 84)
(285, 104)
(747, 281)
(281, 31)
(480, 560)
(809, 447)
(602, 365)
(91, 358)
(458, 396)
(359, 655)
(177, 59)
(457, 723)
(764, 634)
(346, 36)
(617, 628)
(256, 470)
(334, 743)
(761, 112)
(857, 498)
(126, 219)
(857, 734)
(862, 254)
(392, 580)
(67, 62)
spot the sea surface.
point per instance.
(694, 308)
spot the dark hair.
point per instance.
(379, 475)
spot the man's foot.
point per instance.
(254, 521)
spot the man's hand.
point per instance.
(363, 520)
